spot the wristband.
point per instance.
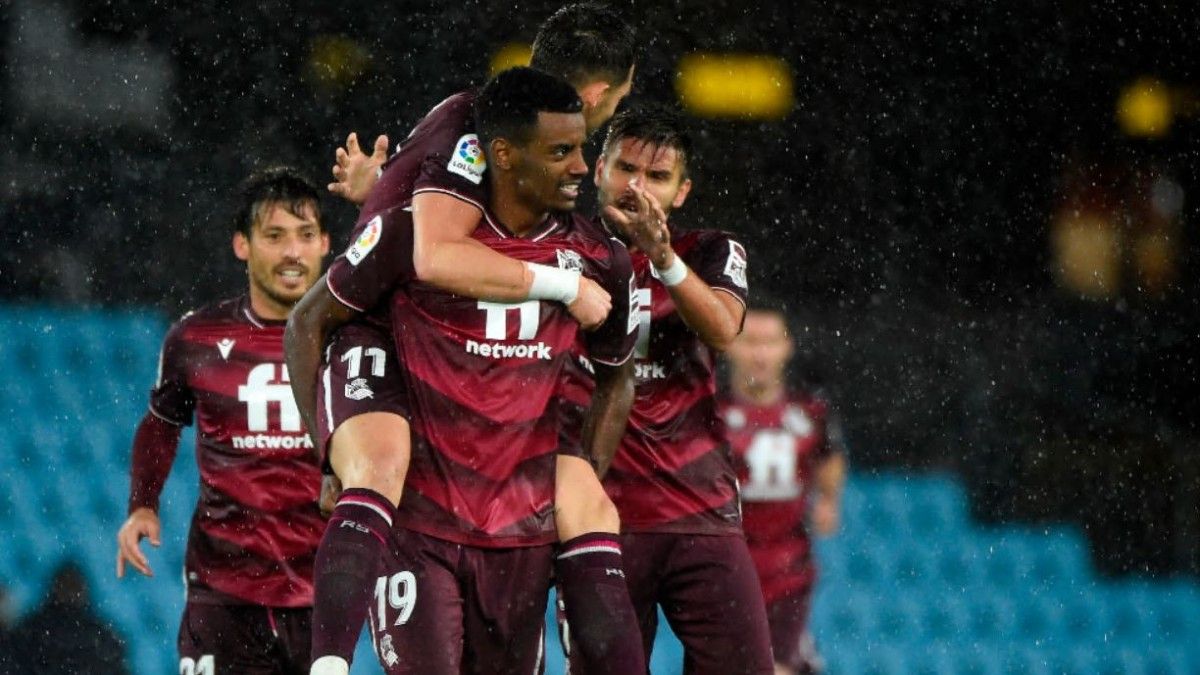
(675, 273)
(552, 283)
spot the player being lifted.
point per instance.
(673, 477)
(464, 586)
(440, 172)
(255, 531)
(791, 465)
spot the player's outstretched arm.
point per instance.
(154, 447)
(355, 172)
(604, 424)
(445, 255)
(309, 326)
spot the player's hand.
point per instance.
(643, 224)
(592, 304)
(331, 489)
(826, 517)
(142, 523)
(355, 172)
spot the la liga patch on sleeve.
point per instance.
(468, 160)
(366, 241)
(735, 265)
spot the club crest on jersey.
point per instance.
(796, 421)
(387, 651)
(357, 389)
(735, 265)
(225, 345)
(570, 260)
(366, 241)
(468, 160)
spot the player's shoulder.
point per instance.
(225, 311)
(453, 113)
(701, 238)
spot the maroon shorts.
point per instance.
(790, 638)
(360, 375)
(236, 639)
(442, 608)
(709, 592)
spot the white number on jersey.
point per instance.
(496, 327)
(772, 461)
(644, 302)
(399, 592)
(205, 666)
(259, 392)
(354, 356)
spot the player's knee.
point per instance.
(607, 519)
(372, 454)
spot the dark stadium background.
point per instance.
(903, 209)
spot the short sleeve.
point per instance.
(460, 173)
(613, 342)
(378, 259)
(172, 399)
(720, 261)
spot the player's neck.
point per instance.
(265, 307)
(758, 393)
(512, 213)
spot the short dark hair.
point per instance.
(658, 125)
(508, 105)
(583, 42)
(281, 185)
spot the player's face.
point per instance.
(761, 353)
(550, 167)
(605, 104)
(658, 169)
(283, 256)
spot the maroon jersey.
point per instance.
(441, 154)
(673, 472)
(777, 449)
(482, 382)
(256, 528)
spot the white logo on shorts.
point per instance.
(357, 389)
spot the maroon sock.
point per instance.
(603, 634)
(348, 561)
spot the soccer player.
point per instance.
(465, 584)
(672, 478)
(791, 465)
(439, 173)
(255, 531)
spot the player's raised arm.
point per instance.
(715, 313)
(355, 172)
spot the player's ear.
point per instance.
(503, 153)
(593, 92)
(324, 243)
(685, 188)
(241, 246)
(599, 170)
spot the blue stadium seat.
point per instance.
(991, 617)
(945, 617)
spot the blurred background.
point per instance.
(980, 215)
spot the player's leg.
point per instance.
(363, 427)
(225, 639)
(293, 638)
(504, 609)
(416, 613)
(713, 601)
(792, 643)
(589, 567)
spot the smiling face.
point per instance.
(283, 256)
(549, 168)
(658, 169)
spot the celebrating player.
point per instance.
(673, 478)
(471, 556)
(790, 459)
(440, 173)
(255, 531)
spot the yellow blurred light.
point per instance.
(735, 85)
(336, 61)
(1144, 108)
(510, 55)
